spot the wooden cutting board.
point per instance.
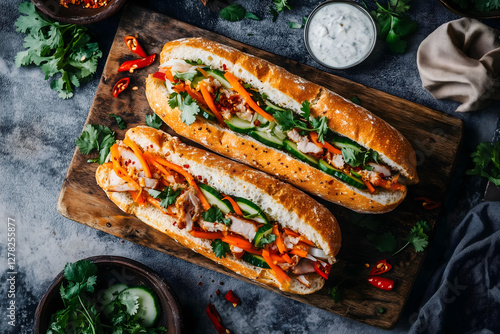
(435, 136)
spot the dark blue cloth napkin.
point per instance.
(464, 294)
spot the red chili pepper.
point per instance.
(380, 267)
(381, 282)
(232, 298)
(134, 46)
(428, 204)
(132, 65)
(120, 86)
(214, 317)
(159, 75)
(323, 269)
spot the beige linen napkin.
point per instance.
(460, 61)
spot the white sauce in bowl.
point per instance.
(340, 35)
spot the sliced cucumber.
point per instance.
(239, 125)
(207, 114)
(249, 208)
(149, 306)
(355, 174)
(267, 138)
(342, 142)
(199, 77)
(261, 119)
(262, 233)
(291, 147)
(255, 260)
(279, 133)
(219, 75)
(215, 198)
(273, 106)
(327, 168)
(110, 294)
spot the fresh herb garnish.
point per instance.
(185, 76)
(214, 215)
(97, 137)
(356, 157)
(294, 25)
(281, 5)
(335, 293)
(356, 99)
(306, 109)
(194, 63)
(220, 248)
(487, 162)
(480, 5)
(186, 105)
(236, 12)
(121, 123)
(393, 25)
(153, 121)
(57, 48)
(418, 237)
(167, 196)
(252, 16)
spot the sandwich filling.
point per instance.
(234, 225)
(216, 95)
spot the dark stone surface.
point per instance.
(37, 132)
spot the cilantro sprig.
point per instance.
(393, 24)
(418, 237)
(167, 196)
(214, 215)
(96, 137)
(487, 162)
(220, 248)
(62, 50)
(480, 5)
(188, 107)
(153, 121)
(236, 12)
(119, 121)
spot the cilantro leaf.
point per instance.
(214, 215)
(320, 126)
(97, 137)
(130, 301)
(188, 107)
(220, 248)
(88, 139)
(356, 99)
(121, 123)
(233, 13)
(418, 237)
(306, 109)
(252, 16)
(281, 5)
(168, 195)
(185, 76)
(486, 160)
(295, 25)
(335, 293)
(153, 121)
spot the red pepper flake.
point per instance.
(185, 166)
(232, 298)
(151, 145)
(200, 177)
(221, 283)
(200, 283)
(216, 320)
(174, 223)
(256, 122)
(224, 67)
(380, 267)
(217, 292)
(428, 204)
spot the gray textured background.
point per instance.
(37, 133)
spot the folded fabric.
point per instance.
(465, 292)
(460, 61)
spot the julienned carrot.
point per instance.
(242, 91)
(208, 99)
(237, 241)
(195, 95)
(369, 186)
(108, 164)
(307, 242)
(168, 74)
(207, 235)
(291, 232)
(119, 170)
(139, 155)
(282, 277)
(279, 239)
(327, 145)
(179, 88)
(277, 258)
(235, 205)
(287, 258)
(158, 166)
(138, 197)
(188, 177)
(203, 72)
(299, 252)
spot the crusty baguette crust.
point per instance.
(344, 117)
(321, 223)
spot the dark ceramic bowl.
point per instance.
(113, 270)
(77, 14)
(455, 8)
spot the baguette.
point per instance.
(373, 191)
(296, 213)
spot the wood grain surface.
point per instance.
(435, 136)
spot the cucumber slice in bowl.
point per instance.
(149, 306)
(110, 294)
(250, 209)
(215, 198)
(353, 181)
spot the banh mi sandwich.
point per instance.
(243, 219)
(255, 112)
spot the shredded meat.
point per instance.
(188, 207)
(336, 160)
(304, 145)
(305, 266)
(212, 227)
(244, 227)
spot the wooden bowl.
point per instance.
(113, 270)
(472, 13)
(77, 14)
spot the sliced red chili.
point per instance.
(322, 268)
(120, 86)
(132, 65)
(380, 267)
(134, 46)
(159, 75)
(381, 282)
(428, 204)
(232, 298)
(214, 317)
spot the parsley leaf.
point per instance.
(306, 109)
(186, 105)
(418, 237)
(58, 49)
(487, 162)
(233, 13)
(153, 121)
(281, 5)
(220, 248)
(97, 137)
(121, 123)
(214, 215)
(167, 196)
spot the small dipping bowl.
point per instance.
(340, 34)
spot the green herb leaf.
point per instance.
(153, 121)
(356, 99)
(130, 301)
(252, 16)
(320, 126)
(214, 215)
(121, 123)
(168, 195)
(281, 5)
(418, 237)
(294, 25)
(185, 76)
(186, 105)
(335, 293)
(486, 160)
(233, 13)
(220, 248)
(274, 13)
(97, 137)
(306, 109)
